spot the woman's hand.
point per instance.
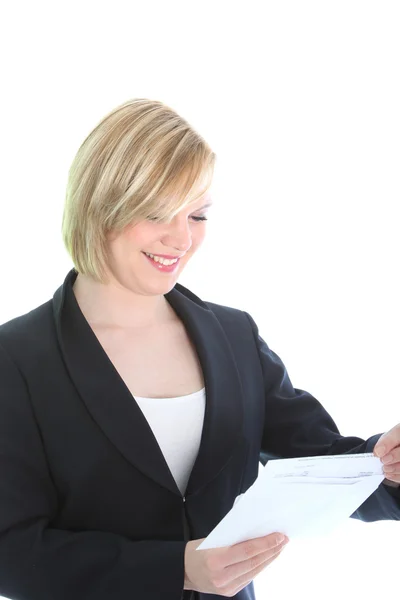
(387, 449)
(226, 571)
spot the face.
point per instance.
(180, 238)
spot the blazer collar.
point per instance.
(115, 410)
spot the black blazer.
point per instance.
(89, 509)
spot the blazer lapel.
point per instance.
(113, 407)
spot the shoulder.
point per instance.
(22, 333)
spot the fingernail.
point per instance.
(387, 459)
(380, 451)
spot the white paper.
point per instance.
(300, 497)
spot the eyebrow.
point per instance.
(205, 206)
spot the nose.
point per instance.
(178, 235)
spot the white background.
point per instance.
(300, 102)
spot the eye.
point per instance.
(157, 220)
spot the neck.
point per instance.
(113, 305)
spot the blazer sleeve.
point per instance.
(38, 562)
(296, 424)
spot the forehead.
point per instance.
(203, 201)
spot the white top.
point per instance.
(177, 424)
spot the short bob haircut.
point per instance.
(142, 161)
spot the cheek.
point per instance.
(198, 236)
(141, 236)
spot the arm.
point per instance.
(296, 424)
(38, 562)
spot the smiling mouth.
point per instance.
(167, 268)
(153, 257)
(167, 256)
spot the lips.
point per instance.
(160, 267)
(168, 256)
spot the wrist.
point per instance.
(187, 583)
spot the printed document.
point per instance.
(300, 497)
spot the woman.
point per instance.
(132, 413)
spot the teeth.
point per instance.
(163, 261)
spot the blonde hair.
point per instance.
(141, 161)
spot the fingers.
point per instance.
(391, 457)
(259, 563)
(245, 550)
(391, 465)
(244, 568)
(388, 441)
